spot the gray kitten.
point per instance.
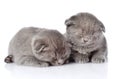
(38, 47)
(85, 33)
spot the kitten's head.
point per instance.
(84, 29)
(51, 46)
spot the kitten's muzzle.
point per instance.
(85, 40)
(58, 62)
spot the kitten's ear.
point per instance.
(102, 27)
(70, 22)
(38, 45)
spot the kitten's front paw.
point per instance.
(81, 58)
(99, 59)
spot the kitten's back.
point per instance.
(21, 42)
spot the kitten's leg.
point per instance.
(99, 56)
(30, 61)
(80, 58)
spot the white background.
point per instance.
(15, 14)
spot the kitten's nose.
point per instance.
(60, 62)
(85, 40)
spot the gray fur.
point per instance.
(85, 33)
(39, 47)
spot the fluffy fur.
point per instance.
(38, 47)
(85, 33)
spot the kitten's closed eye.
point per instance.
(54, 59)
(65, 57)
(92, 33)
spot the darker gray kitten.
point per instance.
(85, 33)
(38, 47)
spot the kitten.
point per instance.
(85, 33)
(38, 47)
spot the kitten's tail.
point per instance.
(9, 59)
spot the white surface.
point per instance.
(16, 14)
(72, 71)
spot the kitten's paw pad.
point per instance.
(99, 59)
(82, 59)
